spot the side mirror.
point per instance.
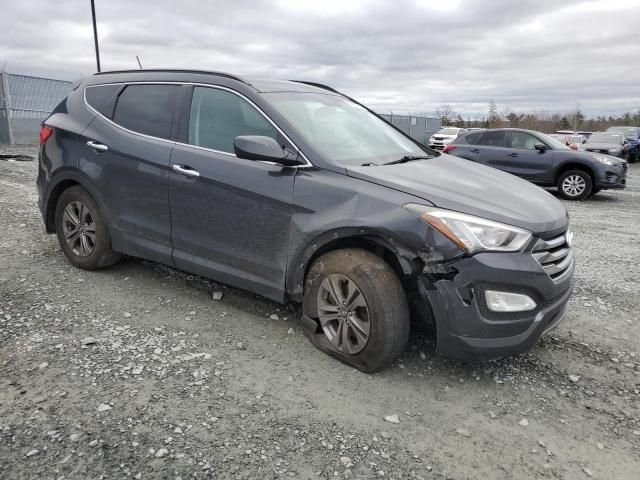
(257, 147)
(540, 146)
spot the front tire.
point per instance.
(575, 185)
(82, 231)
(361, 308)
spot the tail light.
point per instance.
(449, 148)
(45, 133)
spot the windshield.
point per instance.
(342, 130)
(448, 131)
(605, 138)
(552, 142)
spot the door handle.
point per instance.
(512, 154)
(98, 147)
(475, 150)
(184, 170)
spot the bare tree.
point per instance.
(445, 113)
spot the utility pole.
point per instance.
(95, 34)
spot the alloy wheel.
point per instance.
(343, 313)
(79, 229)
(574, 185)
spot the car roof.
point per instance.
(261, 85)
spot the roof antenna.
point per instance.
(139, 64)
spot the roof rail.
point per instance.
(318, 85)
(169, 70)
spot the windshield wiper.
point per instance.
(409, 158)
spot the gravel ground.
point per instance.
(137, 372)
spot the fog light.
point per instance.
(508, 302)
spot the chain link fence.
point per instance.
(416, 126)
(28, 94)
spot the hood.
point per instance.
(601, 146)
(456, 184)
(588, 155)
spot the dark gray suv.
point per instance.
(296, 192)
(542, 160)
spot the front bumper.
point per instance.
(467, 330)
(613, 177)
(439, 144)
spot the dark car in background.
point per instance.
(632, 135)
(542, 160)
(298, 193)
(614, 144)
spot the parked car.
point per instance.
(633, 137)
(444, 137)
(608, 143)
(296, 192)
(542, 160)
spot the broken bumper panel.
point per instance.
(466, 329)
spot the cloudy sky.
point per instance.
(394, 55)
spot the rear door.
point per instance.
(230, 217)
(466, 146)
(125, 152)
(491, 149)
(525, 161)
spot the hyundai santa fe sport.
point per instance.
(296, 192)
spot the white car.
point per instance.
(444, 137)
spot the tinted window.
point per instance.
(493, 139)
(102, 98)
(147, 109)
(522, 140)
(218, 117)
(472, 138)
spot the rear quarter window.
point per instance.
(102, 98)
(147, 109)
(470, 139)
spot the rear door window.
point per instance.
(102, 98)
(493, 139)
(147, 109)
(219, 116)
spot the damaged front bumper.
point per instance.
(467, 329)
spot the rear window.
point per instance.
(493, 139)
(102, 98)
(147, 109)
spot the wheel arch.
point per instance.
(62, 182)
(565, 167)
(399, 258)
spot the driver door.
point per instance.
(230, 217)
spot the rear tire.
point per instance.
(575, 185)
(384, 310)
(82, 231)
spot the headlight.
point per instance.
(603, 159)
(472, 234)
(614, 150)
(431, 139)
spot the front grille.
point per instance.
(554, 255)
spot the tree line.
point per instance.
(542, 121)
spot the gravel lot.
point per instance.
(136, 372)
